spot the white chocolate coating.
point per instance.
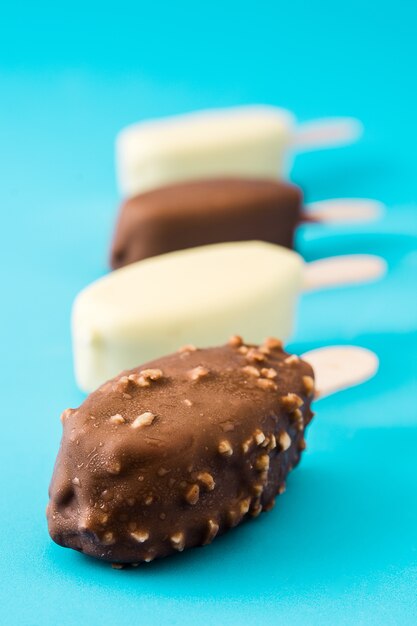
(249, 141)
(199, 296)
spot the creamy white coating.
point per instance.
(199, 296)
(249, 141)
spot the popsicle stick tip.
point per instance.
(344, 210)
(327, 133)
(343, 270)
(339, 367)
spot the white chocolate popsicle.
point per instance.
(197, 296)
(247, 141)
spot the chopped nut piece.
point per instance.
(292, 359)
(207, 480)
(259, 437)
(108, 538)
(263, 477)
(233, 518)
(235, 341)
(145, 419)
(252, 371)
(225, 448)
(298, 419)
(143, 382)
(192, 494)
(121, 384)
(258, 490)
(255, 355)
(152, 374)
(244, 506)
(149, 500)
(139, 380)
(213, 529)
(272, 442)
(262, 463)
(265, 383)
(256, 510)
(189, 347)
(187, 402)
(269, 372)
(114, 467)
(284, 441)
(178, 541)
(291, 401)
(247, 444)
(76, 481)
(308, 384)
(140, 536)
(65, 414)
(272, 343)
(117, 419)
(198, 372)
(107, 495)
(264, 350)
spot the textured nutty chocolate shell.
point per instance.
(169, 455)
(193, 214)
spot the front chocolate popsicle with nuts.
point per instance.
(169, 455)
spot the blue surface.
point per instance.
(341, 545)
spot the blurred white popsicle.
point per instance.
(198, 296)
(247, 141)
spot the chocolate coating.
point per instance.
(194, 214)
(169, 455)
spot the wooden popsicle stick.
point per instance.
(340, 367)
(326, 133)
(341, 210)
(343, 270)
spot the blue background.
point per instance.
(341, 545)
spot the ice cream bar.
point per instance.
(171, 454)
(185, 447)
(198, 296)
(251, 141)
(187, 215)
(191, 214)
(151, 307)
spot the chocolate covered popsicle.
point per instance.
(187, 215)
(171, 454)
(198, 213)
